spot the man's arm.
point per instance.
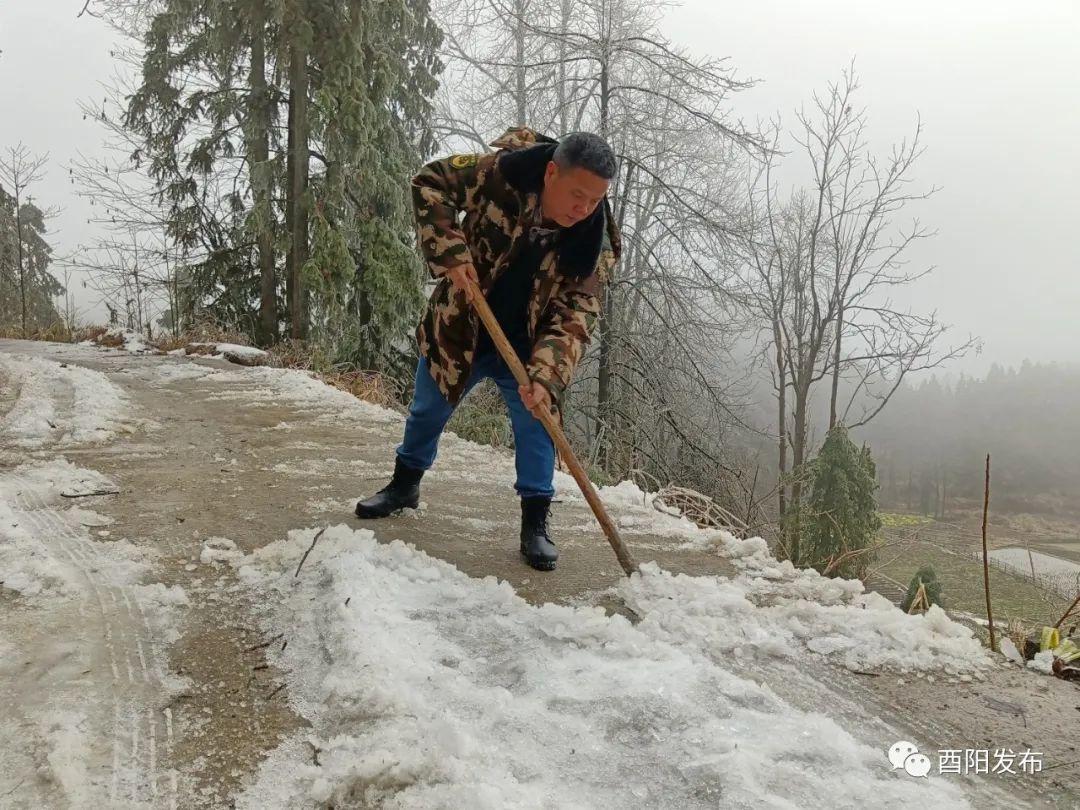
(563, 334)
(441, 190)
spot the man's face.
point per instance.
(570, 195)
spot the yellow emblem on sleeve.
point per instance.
(463, 161)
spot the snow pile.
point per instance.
(426, 688)
(220, 350)
(243, 351)
(772, 608)
(133, 341)
(302, 389)
(160, 604)
(1042, 662)
(61, 405)
(645, 512)
(788, 613)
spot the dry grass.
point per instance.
(481, 417)
(89, 333)
(56, 332)
(370, 386)
(112, 341)
(206, 331)
(200, 348)
(292, 353)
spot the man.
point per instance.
(537, 236)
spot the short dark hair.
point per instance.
(586, 151)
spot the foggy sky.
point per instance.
(996, 84)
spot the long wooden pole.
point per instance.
(552, 426)
(986, 557)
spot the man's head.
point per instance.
(576, 178)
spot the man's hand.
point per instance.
(460, 277)
(536, 398)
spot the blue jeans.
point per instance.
(429, 413)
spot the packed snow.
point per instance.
(60, 405)
(426, 688)
(29, 565)
(1061, 575)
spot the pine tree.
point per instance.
(25, 256)
(840, 519)
(925, 577)
(321, 203)
(375, 71)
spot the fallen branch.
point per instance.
(313, 542)
(89, 494)
(700, 508)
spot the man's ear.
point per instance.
(550, 170)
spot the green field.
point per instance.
(1013, 596)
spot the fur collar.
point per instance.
(579, 245)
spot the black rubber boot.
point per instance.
(403, 492)
(536, 545)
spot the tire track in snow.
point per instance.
(124, 625)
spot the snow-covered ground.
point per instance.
(1059, 574)
(425, 687)
(60, 405)
(84, 630)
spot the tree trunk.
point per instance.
(798, 453)
(944, 491)
(521, 112)
(603, 327)
(259, 123)
(297, 171)
(566, 9)
(781, 421)
(22, 265)
(836, 363)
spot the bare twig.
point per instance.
(313, 542)
(1068, 612)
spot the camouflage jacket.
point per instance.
(498, 195)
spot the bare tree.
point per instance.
(656, 391)
(819, 264)
(135, 265)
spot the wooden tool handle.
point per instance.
(547, 418)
